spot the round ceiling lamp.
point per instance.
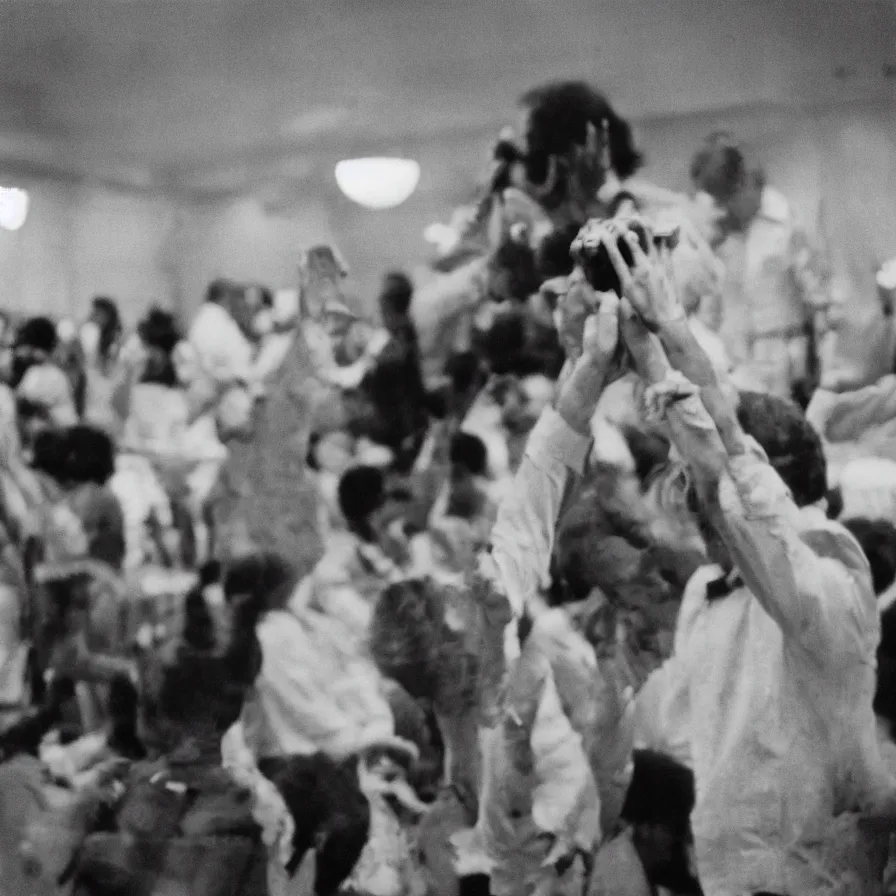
(13, 208)
(378, 183)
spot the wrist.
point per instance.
(578, 398)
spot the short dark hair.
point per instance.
(50, 454)
(559, 115)
(468, 452)
(38, 333)
(362, 491)
(220, 289)
(397, 292)
(465, 371)
(90, 455)
(721, 167)
(661, 791)
(791, 444)
(878, 540)
(553, 257)
(159, 330)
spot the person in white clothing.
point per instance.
(775, 645)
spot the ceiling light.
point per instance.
(13, 208)
(378, 183)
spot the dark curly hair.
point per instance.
(412, 643)
(559, 115)
(791, 444)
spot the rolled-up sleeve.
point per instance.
(814, 582)
(523, 535)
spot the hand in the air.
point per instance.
(580, 303)
(648, 284)
(647, 354)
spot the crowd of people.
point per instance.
(571, 571)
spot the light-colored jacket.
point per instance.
(314, 692)
(768, 696)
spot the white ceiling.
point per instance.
(210, 96)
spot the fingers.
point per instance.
(609, 242)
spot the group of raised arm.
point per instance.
(808, 581)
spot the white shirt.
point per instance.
(225, 353)
(772, 687)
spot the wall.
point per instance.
(80, 241)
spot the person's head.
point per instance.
(557, 118)
(38, 334)
(90, 456)
(553, 257)
(49, 454)
(413, 643)
(159, 334)
(465, 372)
(469, 454)
(723, 170)
(395, 298)
(105, 316)
(365, 502)
(878, 540)
(253, 585)
(512, 272)
(793, 449)
(658, 806)
(235, 300)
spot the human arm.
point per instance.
(814, 583)
(557, 452)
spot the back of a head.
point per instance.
(220, 290)
(559, 115)
(107, 308)
(661, 791)
(159, 330)
(90, 455)
(468, 453)
(791, 444)
(50, 453)
(721, 167)
(38, 333)
(361, 492)
(465, 372)
(553, 257)
(396, 293)
(878, 540)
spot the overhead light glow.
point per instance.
(13, 208)
(379, 183)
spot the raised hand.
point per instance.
(647, 284)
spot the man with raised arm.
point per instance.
(773, 671)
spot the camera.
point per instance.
(590, 253)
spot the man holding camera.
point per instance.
(774, 652)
